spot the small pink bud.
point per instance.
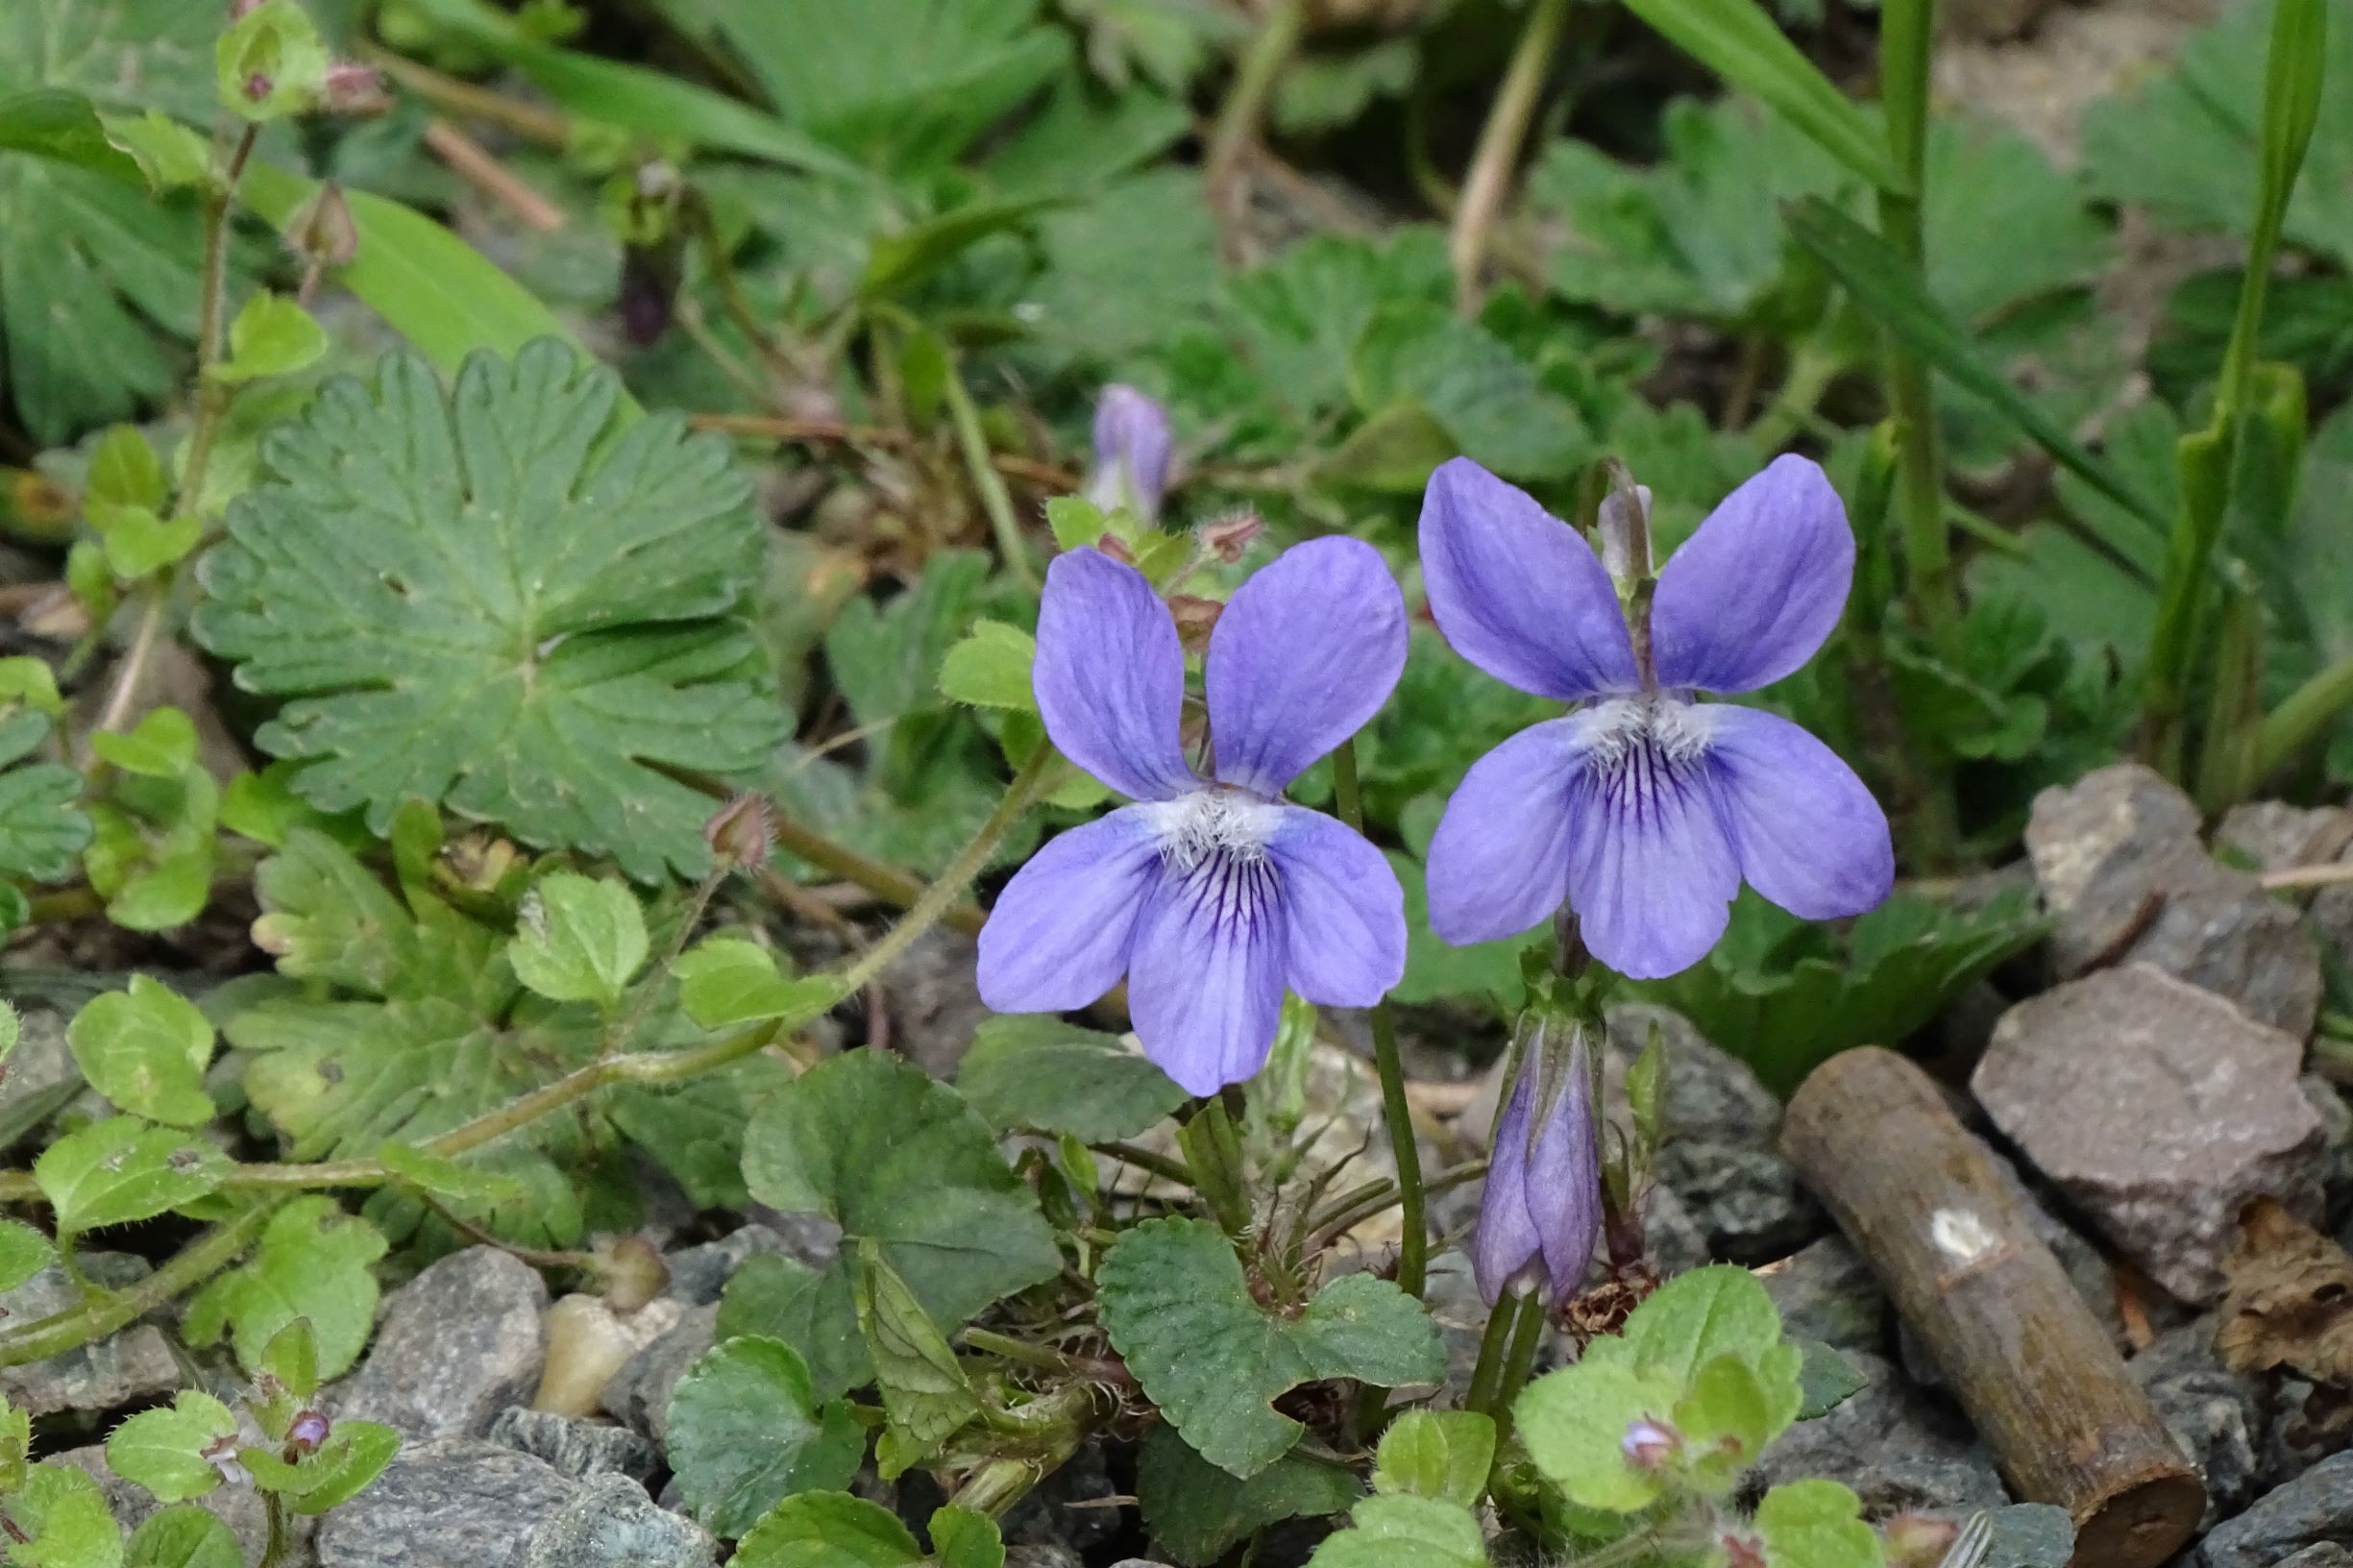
(1743, 1552)
(1196, 618)
(1228, 537)
(309, 1432)
(741, 831)
(324, 232)
(1649, 1444)
(257, 86)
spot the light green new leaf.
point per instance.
(1036, 1073)
(146, 1049)
(114, 1171)
(579, 938)
(1198, 1513)
(897, 1160)
(161, 746)
(165, 1449)
(746, 1432)
(464, 1186)
(354, 1454)
(1573, 1423)
(312, 1265)
(1176, 1304)
(24, 1252)
(1721, 1310)
(272, 335)
(185, 1536)
(1443, 1454)
(991, 668)
(272, 62)
(727, 981)
(495, 600)
(1816, 1524)
(1406, 1532)
(64, 1514)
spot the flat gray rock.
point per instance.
(2313, 1509)
(577, 1448)
(638, 1396)
(1826, 1291)
(2123, 874)
(447, 1503)
(2157, 1109)
(1900, 1451)
(457, 1344)
(611, 1523)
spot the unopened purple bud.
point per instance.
(1543, 1198)
(1132, 447)
(1649, 1444)
(309, 1432)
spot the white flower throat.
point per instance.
(1230, 825)
(1663, 728)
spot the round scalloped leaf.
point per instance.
(504, 598)
(746, 1432)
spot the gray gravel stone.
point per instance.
(2123, 870)
(933, 1001)
(577, 1448)
(1899, 1449)
(2158, 1110)
(446, 1503)
(133, 1365)
(2219, 1416)
(2314, 1509)
(1826, 1291)
(457, 1344)
(2273, 836)
(639, 1394)
(699, 1274)
(611, 1523)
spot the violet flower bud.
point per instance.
(1131, 446)
(309, 1432)
(1543, 1199)
(1649, 1444)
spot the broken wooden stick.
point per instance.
(1918, 1196)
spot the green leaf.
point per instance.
(897, 262)
(1402, 1531)
(991, 668)
(463, 1186)
(481, 600)
(1178, 1307)
(66, 1517)
(114, 1171)
(900, 1161)
(746, 1432)
(167, 1450)
(312, 1265)
(827, 1529)
(354, 1454)
(1574, 1421)
(41, 828)
(186, 1537)
(579, 938)
(1198, 1513)
(1891, 294)
(1441, 1453)
(726, 980)
(925, 1390)
(146, 1049)
(1724, 1420)
(1816, 1524)
(1035, 1073)
(1826, 1381)
(272, 335)
(272, 62)
(125, 471)
(1743, 44)
(965, 1538)
(24, 1252)
(1491, 402)
(1692, 1319)
(139, 542)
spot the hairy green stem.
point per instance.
(1396, 1111)
(995, 498)
(1499, 148)
(77, 1326)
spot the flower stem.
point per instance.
(1527, 1336)
(994, 498)
(885, 882)
(1494, 1349)
(1413, 1246)
(1499, 148)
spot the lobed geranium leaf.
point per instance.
(1035, 1073)
(1178, 1307)
(898, 1161)
(41, 828)
(499, 600)
(746, 1432)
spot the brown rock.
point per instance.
(2123, 870)
(2159, 1109)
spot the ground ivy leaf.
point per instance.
(1178, 1307)
(1198, 1513)
(1697, 1316)
(164, 1450)
(24, 1252)
(501, 600)
(746, 1432)
(579, 938)
(827, 1529)
(114, 1171)
(1444, 1454)
(311, 1263)
(354, 1454)
(1035, 1073)
(146, 1049)
(61, 1509)
(1402, 1531)
(186, 1537)
(1816, 1524)
(1573, 1423)
(897, 1160)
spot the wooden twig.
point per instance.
(2307, 877)
(1924, 1203)
(1012, 465)
(473, 162)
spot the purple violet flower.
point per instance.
(1644, 809)
(1211, 894)
(1132, 447)
(1543, 1198)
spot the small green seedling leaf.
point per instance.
(354, 1454)
(183, 1537)
(168, 1450)
(1178, 1307)
(925, 1390)
(161, 746)
(1816, 1524)
(139, 542)
(146, 1049)
(125, 471)
(26, 681)
(312, 1265)
(123, 1169)
(1399, 1530)
(453, 1181)
(745, 1433)
(827, 1529)
(965, 1538)
(991, 668)
(579, 938)
(24, 1252)
(272, 63)
(1441, 1453)
(727, 981)
(66, 1521)
(272, 335)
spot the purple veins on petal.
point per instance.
(1754, 592)
(1110, 675)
